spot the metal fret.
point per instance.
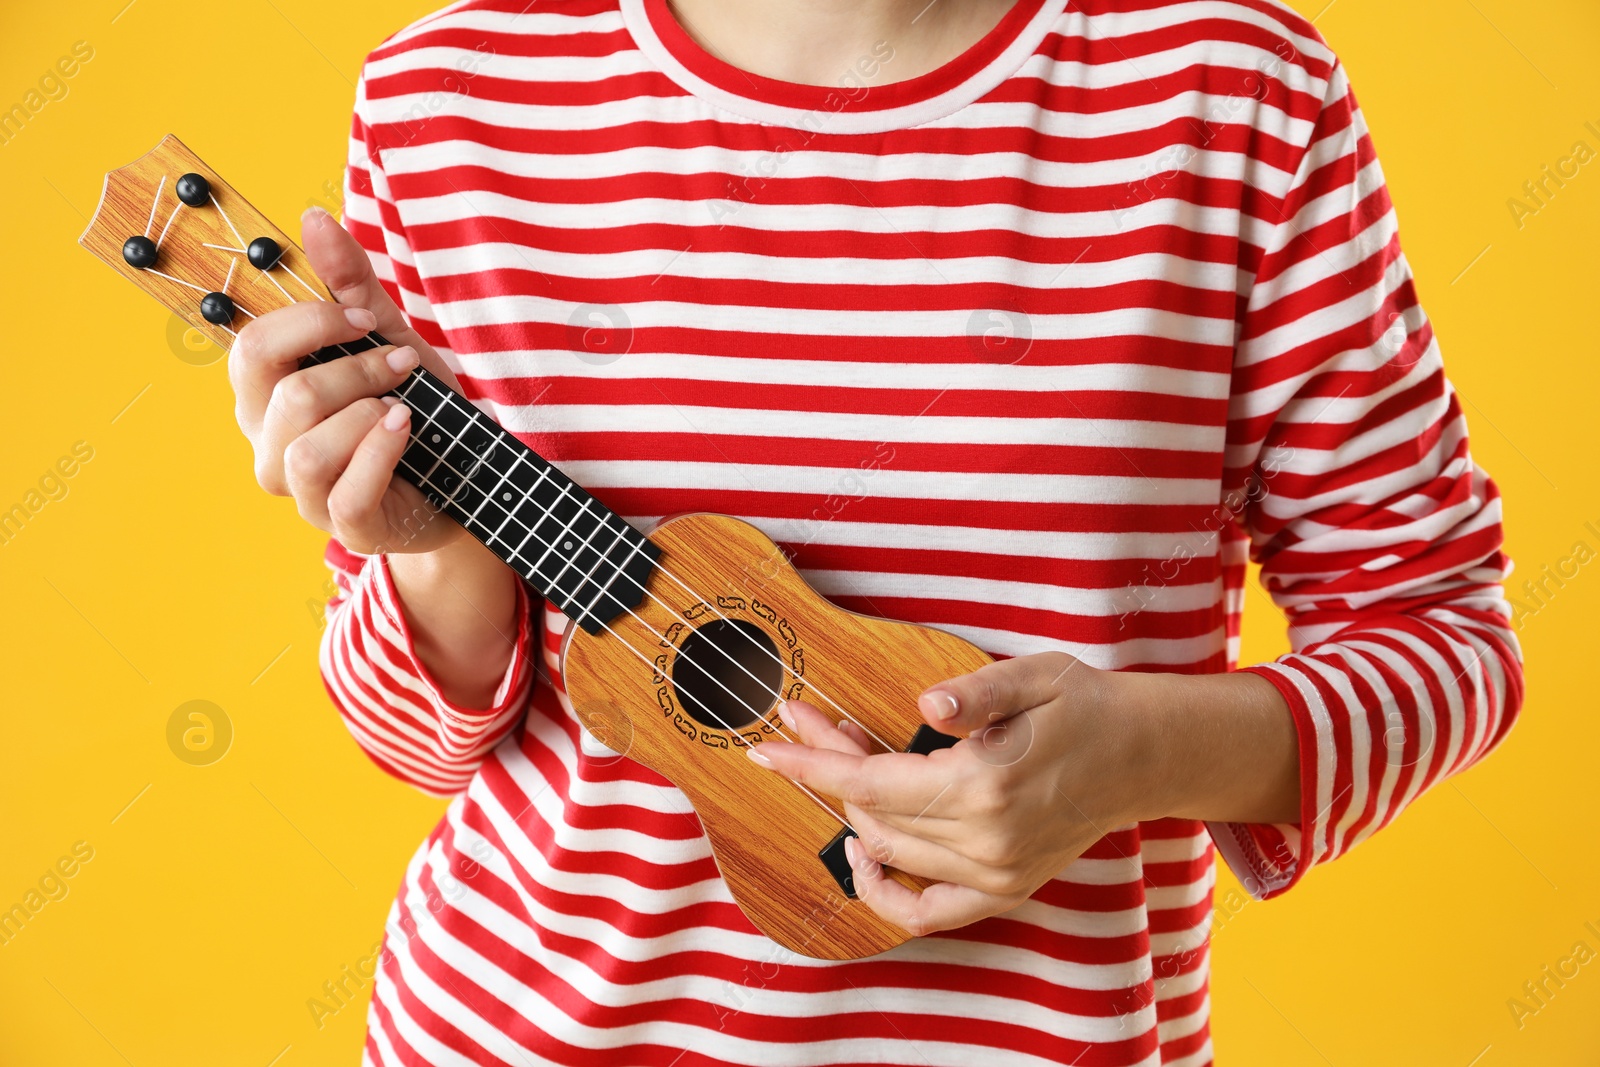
(452, 441)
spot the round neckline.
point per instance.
(895, 105)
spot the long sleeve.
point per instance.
(391, 705)
(1377, 534)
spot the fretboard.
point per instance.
(581, 555)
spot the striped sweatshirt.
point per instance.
(1041, 348)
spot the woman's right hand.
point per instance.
(326, 435)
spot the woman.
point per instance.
(1023, 320)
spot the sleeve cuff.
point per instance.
(1270, 858)
(514, 684)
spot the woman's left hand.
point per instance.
(1056, 757)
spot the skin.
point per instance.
(815, 42)
(322, 436)
(1059, 752)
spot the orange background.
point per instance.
(220, 897)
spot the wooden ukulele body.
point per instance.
(172, 226)
(765, 832)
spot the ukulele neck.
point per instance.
(173, 227)
(588, 560)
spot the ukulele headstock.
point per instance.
(170, 225)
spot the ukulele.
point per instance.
(687, 637)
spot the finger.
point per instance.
(344, 267)
(915, 853)
(271, 347)
(355, 503)
(998, 691)
(816, 729)
(314, 461)
(858, 736)
(941, 906)
(303, 399)
(888, 781)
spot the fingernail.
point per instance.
(401, 359)
(361, 318)
(859, 860)
(942, 703)
(314, 217)
(396, 417)
(787, 716)
(756, 757)
(390, 400)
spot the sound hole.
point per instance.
(727, 674)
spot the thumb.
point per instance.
(343, 266)
(996, 691)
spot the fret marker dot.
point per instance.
(434, 438)
(506, 496)
(567, 547)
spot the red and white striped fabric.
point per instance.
(1035, 348)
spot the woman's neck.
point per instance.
(838, 42)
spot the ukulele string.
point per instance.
(241, 251)
(654, 670)
(532, 533)
(784, 667)
(155, 203)
(175, 209)
(665, 642)
(237, 236)
(449, 397)
(472, 414)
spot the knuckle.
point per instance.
(375, 368)
(988, 692)
(1005, 884)
(371, 408)
(342, 514)
(985, 797)
(861, 794)
(996, 852)
(301, 461)
(269, 475)
(880, 848)
(295, 396)
(1055, 665)
(246, 348)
